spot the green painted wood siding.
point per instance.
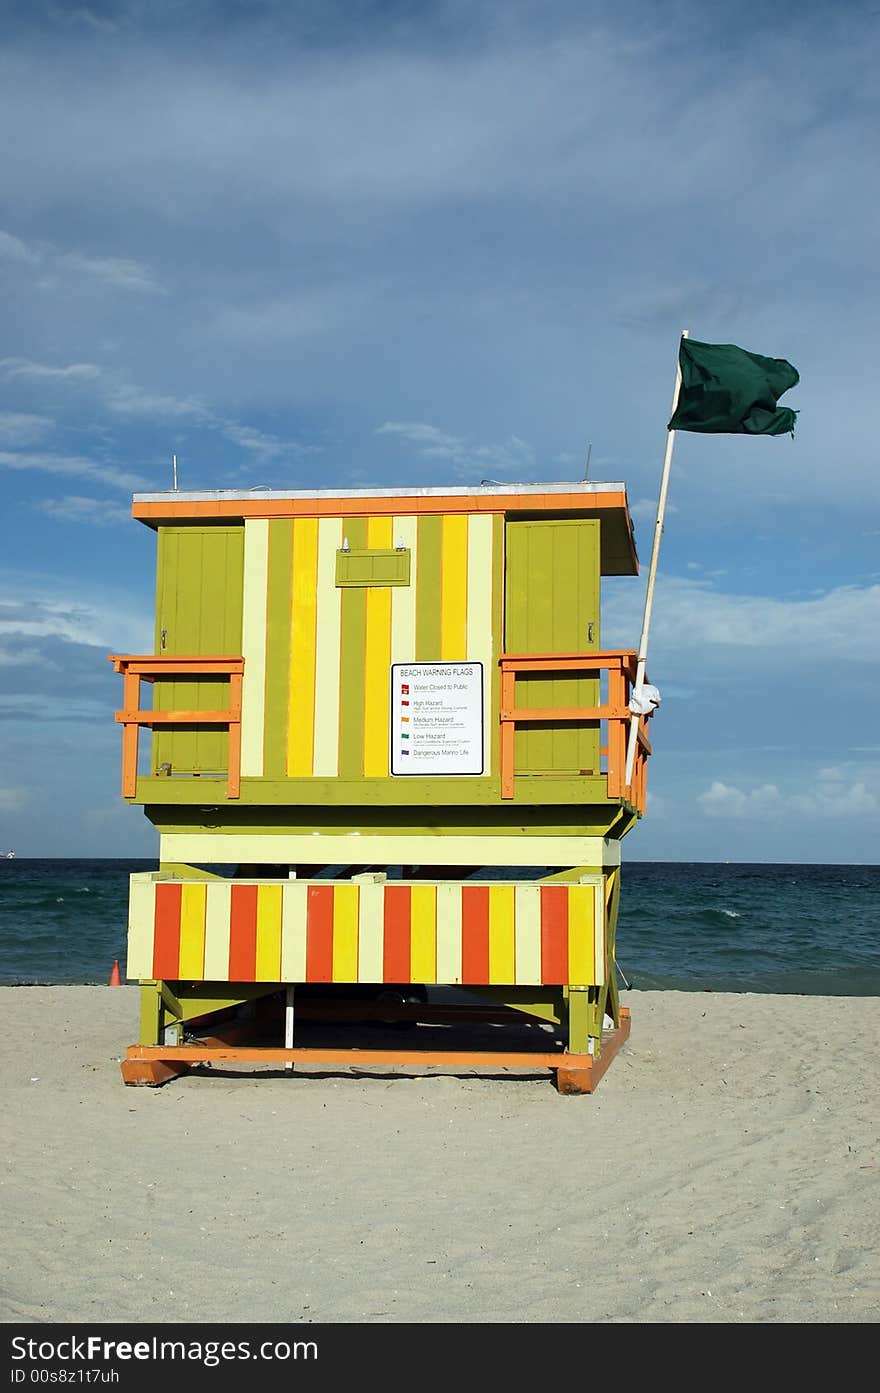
(551, 600)
(199, 586)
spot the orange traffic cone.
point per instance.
(115, 979)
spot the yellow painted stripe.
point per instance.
(370, 933)
(293, 931)
(327, 650)
(191, 963)
(479, 614)
(581, 928)
(378, 660)
(403, 597)
(141, 919)
(268, 964)
(449, 934)
(301, 707)
(528, 935)
(345, 933)
(217, 931)
(454, 588)
(423, 933)
(599, 938)
(253, 645)
(502, 939)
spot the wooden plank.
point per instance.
(353, 640)
(254, 644)
(166, 931)
(319, 934)
(192, 931)
(327, 651)
(554, 934)
(377, 660)
(267, 952)
(502, 936)
(423, 934)
(345, 933)
(565, 713)
(474, 934)
(131, 698)
(243, 933)
(301, 703)
(428, 589)
(396, 959)
(454, 588)
(166, 718)
(279, 582)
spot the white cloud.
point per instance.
(645, 509)
(76, 466)
(725, 800)
(691, 616)
(24, 368)
(129, 400)
(36, 607)
(120, 272)
(467, 459)
(81, 14)
(23, 428)
(831, 796)
(97, 511)
(14, 249)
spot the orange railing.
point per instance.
(161, 667)
(621, 668)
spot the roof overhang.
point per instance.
(605, 502)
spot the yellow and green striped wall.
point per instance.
(467, 933)
(318, 655)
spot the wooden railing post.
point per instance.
(620, 666)
(234, 762)
(616, 731)
(131, 700)
(150, 667)
(508, 731)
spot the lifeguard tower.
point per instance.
(388, 756)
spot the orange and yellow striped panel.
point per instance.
(473, 934)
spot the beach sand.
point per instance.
(726, 1170)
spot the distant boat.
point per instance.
(10, 855)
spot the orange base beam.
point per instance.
(575, 1073)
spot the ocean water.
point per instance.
(809, 930)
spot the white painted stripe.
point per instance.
(371, 932)
(479, 613)
(218, 905)
(141, 919)
(327, 652)
(294, 907)
(449, 934)
(253, 645)
(528, 935)
(345, 848)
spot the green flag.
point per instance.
(726, 390)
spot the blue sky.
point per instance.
(358, 244)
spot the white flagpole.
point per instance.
(652, 574)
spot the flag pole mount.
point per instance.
(652, 575)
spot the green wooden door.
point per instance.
(199, 587)
(552, 606)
